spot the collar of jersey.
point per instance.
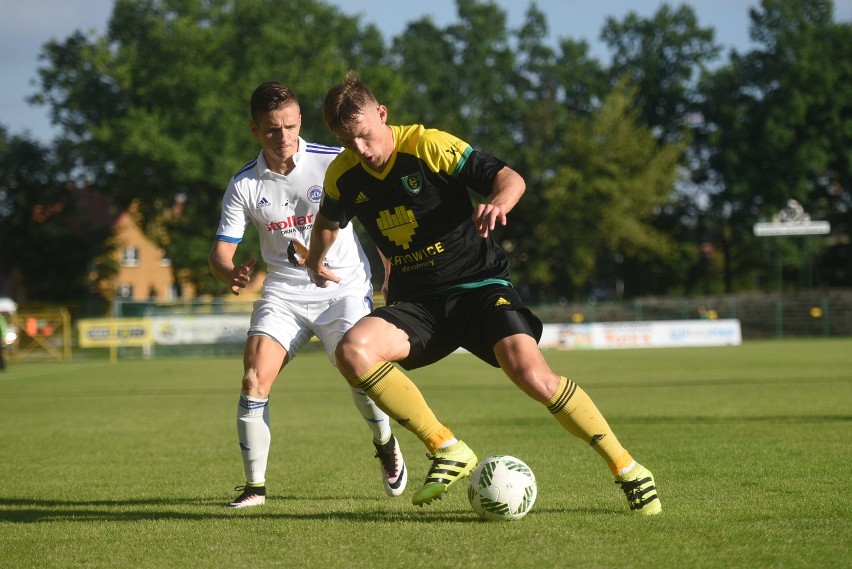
(263, 166)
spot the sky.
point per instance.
(27, 25)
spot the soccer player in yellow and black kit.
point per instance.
(446, 283)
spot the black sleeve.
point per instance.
(333, 210)
(479, 171)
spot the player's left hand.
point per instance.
(486, 216)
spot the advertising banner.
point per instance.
(654, 334)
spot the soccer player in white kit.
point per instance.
(280, 192)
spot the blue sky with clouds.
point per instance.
(27, 25)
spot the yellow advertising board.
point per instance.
(115, 332)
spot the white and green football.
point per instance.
(502, 487)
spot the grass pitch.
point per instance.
(130, 464)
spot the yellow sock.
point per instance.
(576, 411)
(396, 395)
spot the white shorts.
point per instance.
(293, 324)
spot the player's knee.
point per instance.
(349, 349)
(252, 386)
(344, 355)
(347, 355)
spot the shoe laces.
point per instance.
(386, 453)
(246, 490)
(441, 461)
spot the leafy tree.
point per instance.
(778, 128)
(460, 78)
(663, 56)
(601, 201)
(556, 88)
(50, 238)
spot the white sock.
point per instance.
(255, 435)
(377, 419)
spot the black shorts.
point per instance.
(474, 319)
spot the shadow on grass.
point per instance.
(31, 511)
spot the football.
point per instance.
(502, 488)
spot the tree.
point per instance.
(778, 128)
(460, 78)
(663, 56)
(50, 238)
(601, 202)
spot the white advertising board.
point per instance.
(658, 334)
(232, 328)
(203, 329)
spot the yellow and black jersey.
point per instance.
(418, 211)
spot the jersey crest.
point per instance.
(315, 194)
(412, 183)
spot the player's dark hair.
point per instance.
(268, 97)
(345, 102)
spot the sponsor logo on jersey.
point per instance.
(398, 226)
(412, 183)
(294, 221)
(417, 259)
(315, 194)
(263, 202)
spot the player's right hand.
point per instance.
(322, 276)
(241, 276)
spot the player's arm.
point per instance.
(484, 173)
(222, 266)
(323, 235)
(507, 189)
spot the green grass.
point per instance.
(129, 465)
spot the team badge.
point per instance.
(315, 194)
(412, 183)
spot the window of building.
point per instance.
(130, 256)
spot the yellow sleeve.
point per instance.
(439, 150)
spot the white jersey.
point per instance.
(282, 208)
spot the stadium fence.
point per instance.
(803, 314)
